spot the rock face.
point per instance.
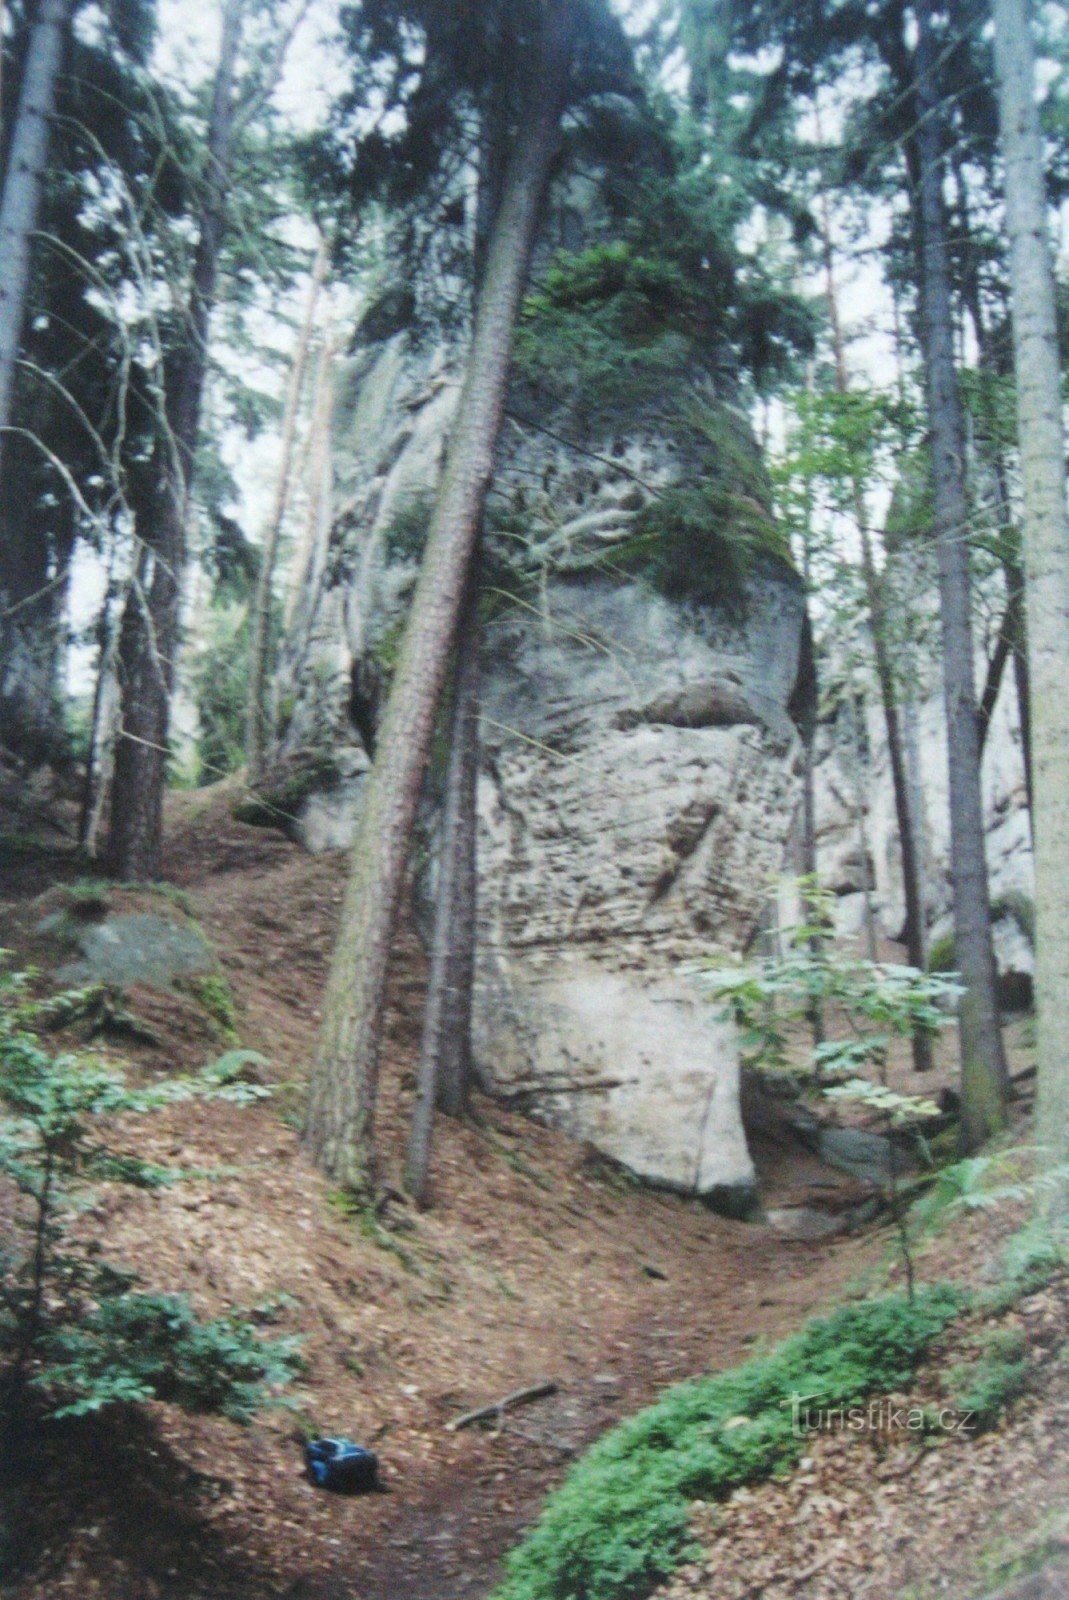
(858, 834)
(640, 757)
(637, 797)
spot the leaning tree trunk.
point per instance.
(21, 199)
(445, 1054)
(149, 640)
(983, 1063)
(344, 1084)
(256, 702)
(445, 1066)
(1046, 553)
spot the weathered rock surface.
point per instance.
(640, 771)
(135, 947)
(855, 800)
(637, 797)
(158, 977)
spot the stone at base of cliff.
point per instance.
(634, 1063)
(739, 1201)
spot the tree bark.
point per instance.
(445, 1054)
(983, 1063)
(256, 705)
(149, 639)
(35, 552)
(20, 203)
(344, 1085)
(103, 720)
(1046, 554)
(309, 555)
(868, 912)
(1013, 635)
(879, 626)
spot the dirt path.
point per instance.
(536, 1260)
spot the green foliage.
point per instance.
(1031, 1257)
(312, 770)
(221, 684)
(619, 1523)
(73, 1330)
(608, 330)
(607, 326)
(942, 954)
(701, 542)
(769, 1000)
(1034, 1254)
(405, 532)
(986, 1386)
(212, 992)
(138, 1347)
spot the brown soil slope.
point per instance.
(536, 1261)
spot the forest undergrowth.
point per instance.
(536, 1261)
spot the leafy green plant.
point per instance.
(212, 992)
(986, 1386)
(769, 1000)
(75, 1335)
(619, 1523)
(877, 1002)
(942, 954)
(405, 533)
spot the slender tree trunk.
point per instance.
(879, 626)
(104, 718)
(885, 677)
(1046, 553)
(815, 1014)
(342, 1105)
(983, 1063)
(256, 706)
(445, 1055)
(21, 199)
(868, 913)
(309, 555)
(149, 639)
(911, 744)
(1013, 635)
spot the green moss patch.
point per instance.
(620, 1522)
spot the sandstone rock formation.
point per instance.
(858, 835)
(638, 792)
(640, 765)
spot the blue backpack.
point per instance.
(342, 1466)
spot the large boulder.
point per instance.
(645, 663)
(637, 796)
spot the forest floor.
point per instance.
(537, 1260)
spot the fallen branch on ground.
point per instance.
(519, 1397)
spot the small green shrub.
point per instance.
(986, 1387)
(701, 542)
(1031, 1258)
(942, 954)
(138, 1347)
(619, 1523)
(75, 1335)
(212, 992)
(405, 533)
